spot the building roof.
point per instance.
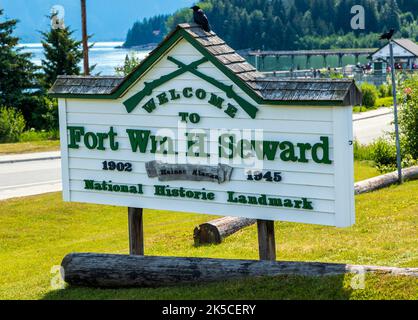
(85, 85)
(263, 90)
(408, 45)
(306, 90)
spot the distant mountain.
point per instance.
(108, 20)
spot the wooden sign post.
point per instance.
(136, 231)
(266, 240)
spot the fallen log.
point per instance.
(121, 271)
(384, 181)
(216, 230)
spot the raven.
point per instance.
(387, 35)
(200, 18)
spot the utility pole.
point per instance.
(85, 38)
(395, 103)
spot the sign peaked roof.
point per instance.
(261, 89)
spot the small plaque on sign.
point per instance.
(188, 172)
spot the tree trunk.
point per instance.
(216, 231)
(385, 180)
(118, 271)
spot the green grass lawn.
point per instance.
(37, 232)
(29, 147)
(364, 170)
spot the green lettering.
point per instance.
(102, 137)
(262, 200)
(231, 197)
(174, 95)
(159, 190)
(307, 205)
(150, 106)
(139, 139)
(89, 184)
(75, 136)
(252, 200)
(216, 101)
(201, 94)
(303, 147)
(231, 111)
(113, 144)
(275, 202)
(288, 203)
(288, 153)
(270, 149)
(324, 146)
(162, 98)
(90, 140)
(188, 92)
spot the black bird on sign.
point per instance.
(388, 35)
(200, 18)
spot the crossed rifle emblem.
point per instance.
(136, 99)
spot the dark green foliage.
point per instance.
(370, 94)
(409, 116)
(296, 24)
(383, 154)
(147, 31)
(63, 55)
(17, 73)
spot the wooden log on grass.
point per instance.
(385, 180)
(216, 230)
(121, 271)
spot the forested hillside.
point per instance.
(297, 24)
(150, 30)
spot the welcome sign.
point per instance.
(196, 129)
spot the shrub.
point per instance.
(44, 113)
(408, 116)
(12, 124)
(370, 95)
(384, 102)
(383, 91)
(363, 152)
(384, 154)
(131, 62)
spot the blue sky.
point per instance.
(108, 19)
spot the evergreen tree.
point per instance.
(300, 24)
(17, 73)
(390, 16)
(63, 54)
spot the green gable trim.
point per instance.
(136, 99)
(172, 39)
(232, 76)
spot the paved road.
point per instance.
(20, 179)
(372, 125)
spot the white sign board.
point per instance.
(190, 146)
